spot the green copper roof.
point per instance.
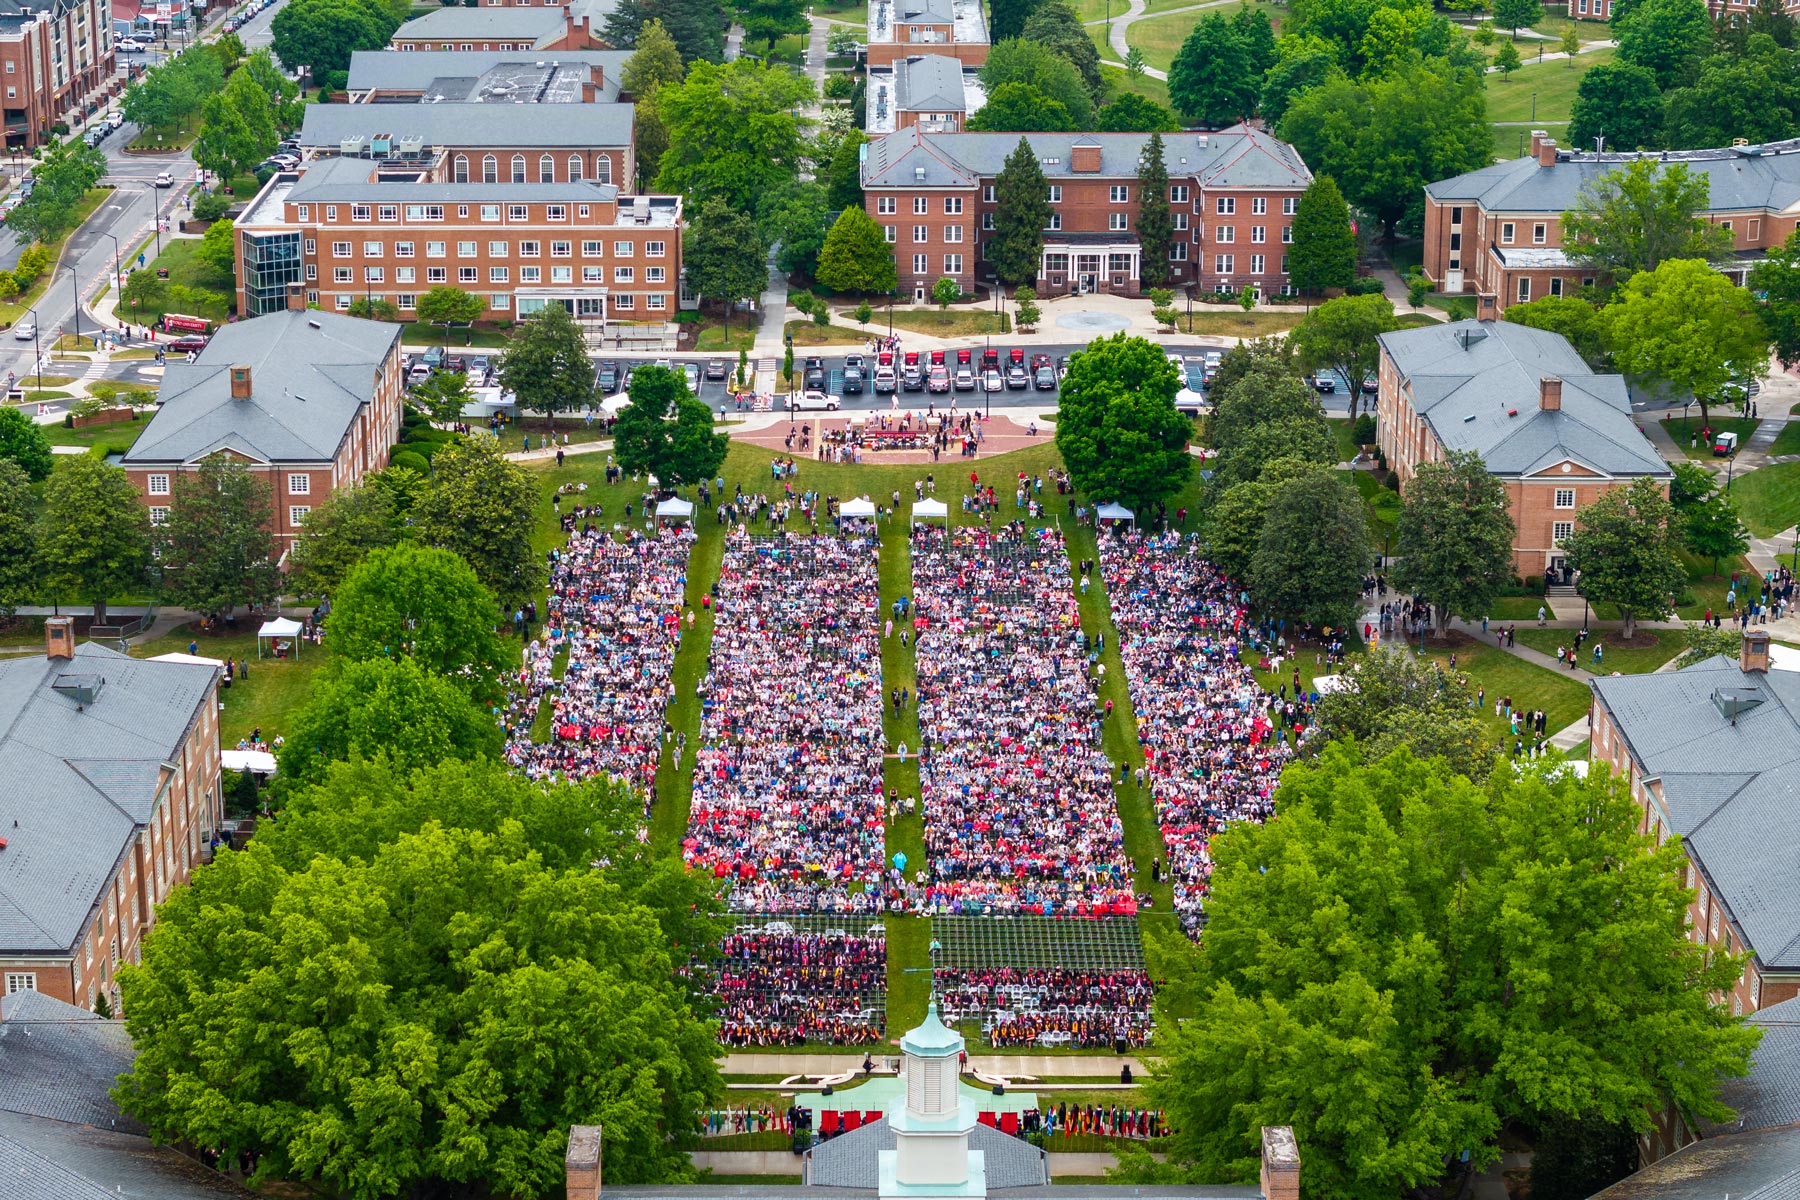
(932, 1038)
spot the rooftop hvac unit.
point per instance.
(412, 144)
(381, 143)
(351, 146)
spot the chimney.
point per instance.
(1486, 306)
(296, 300)
(590, 87)
(1537, 140)
(1550, 394)
(1280, 1163)
(1753, 655)
(581, 1166)
(1546, 151)
(59, 637)
(240, 382)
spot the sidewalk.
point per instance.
(1012, 1066)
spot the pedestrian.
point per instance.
(1540, 614)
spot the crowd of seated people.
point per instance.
(1017, 1006)
(777, 985)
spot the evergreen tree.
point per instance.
(656, 61)
(856, 257)
(1324, 250)
(1058, 28)
(697, 26)
(1022, 210)
(1156, 228)
(1006, 18)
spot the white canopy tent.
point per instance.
(278, 628)
(259, 761)
(1116, 512)
(930, 510)
(675, 509)
(862, 506)
(199, 660)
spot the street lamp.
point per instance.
(156, 216)
(36, 352)
(116, 255)
(75, 289)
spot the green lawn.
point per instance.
(1650, 649)
(1686, 431)
(163, 138)
(961, 321)
(1158, 38)
(1118, 82)
(266, 698)
(186, 270)
(712, 335)
(856, 13)
(118, 436)
(1769, 498)
(1498, 674)
(806, 333)
(1514, 141)
(1788, 440)
(1232, 321)
(1540, 91)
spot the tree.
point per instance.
(1506, 59)
(1569, 44)
(1624, 549)
(1132, 113)
(546, 365)
(864, 314)
(1341, 335)
(443, 395)
(217, 250)
(1234, 527)
(62, 181)
(24, 443)
(19, 564)
(1771, 17)
(1570, 316)
(843, 182)
(446, 304)
(697, 27)
(1256, 33)
(1296, 439)
(1324, 250)
(732, 131)
(1755, 95)
(1313, 552)
(1455, 538)
(770, 20)
(1713, 529)
(856, 257)
(483, 508)
(1020, 108)
(1008, 17)
(793, 221)
(1134, 65)
(945, 292)
(1617, 101)
(352, 524)
(285, 105)
(654, 62)
(1704, 642)
(93, 535)
(1264, 390)
(1777, 281)
(365, 1032)
(1117, 427)
(1021, 213)
(1212, 80)
(1301, 64)
(1043, 70)
(1392, 700)
(389, 708)
(322, 34)
(1057, 27)
(1687, 325)
(1156, 227)
(1433, 944)
(1026, 313)
(172, 91)
(373, 308)
(1668, 36)
(1633, 219)
(422, 603)
(1512, 14)
(725, 256)
(666, 432)
(215, 549)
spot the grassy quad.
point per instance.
(1686, 432)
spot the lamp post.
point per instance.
(36, 352)
(116, 255)
(156, 217)
(75, 290)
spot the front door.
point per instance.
(1088, 284)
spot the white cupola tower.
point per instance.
(931, 1159)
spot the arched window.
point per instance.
(603, 168)
(546, 169)
(462, 168)
(574, 168)
(518, 172)
(490, 169)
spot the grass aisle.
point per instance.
(675, 785)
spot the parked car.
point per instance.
(608, 379)
(964, 380)
(186, 343)
(814, 374)
(418, 373)
(1044, 378)
(1324, 384)
(854, 375)
(716, 369)
(457, 364)
(692, 372)
(912, 375)
(991, 381)
(479, 366)
(814, 400)
(1016, 377)
(939, 378)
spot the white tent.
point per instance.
(199, 660)
(278, 628)
(616, 403)
(860, 507)
(675, 509)
(1116, 512)
(1325, 685)
(930, 510)
(260, 761)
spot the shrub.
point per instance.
(412, 460)
(1362, 430)
(1166, 317)
(1366, 285)
(211, 207)
(839, 87)
(1160, 298)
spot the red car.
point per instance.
(182, 345)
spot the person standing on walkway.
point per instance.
(1540, 614)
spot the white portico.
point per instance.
(931, 1159)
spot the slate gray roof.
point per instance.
(1476, 384)
(853, 1160)
(1732, 789)
(51, 1160)
(352, 181)
(924, 12)
(310, 374)
(1230, 158)
(474, 126)
(61, 1062)
(1760, 1165)
(514, 22)
(394, 70)
(1770, 1094)
(929, 83)
(75, 817)
(1737, 179)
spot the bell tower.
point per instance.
(931, 1159)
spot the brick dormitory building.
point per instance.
(1233, 194)
(52, 53)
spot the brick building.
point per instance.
(51, 55)
(507, 27)
(899, 29)
(112, 769)
(934, 92)
(1497, 231)
(1556, 434)
(1233, 194)
(308, 400)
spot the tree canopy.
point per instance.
(733, 132)
(1624, 547)
(1632, 219)
(24, 443)
(1776, 281)
(856, 257)
(1020, 215)
(1132, 113)
(1212, 80)
(1324, 248)
(1043, 70)
(322, 34)
(1117, 428)
(1387, 701)
(655, 61)
(724, 253)
(1340, 335)
(545, 363)
(18, 551)
(1689, 326)
(1313, 550)
(421, 603)
(1455, 537)
(483, 508)
(391, 708)
(666, 432)
(351, 524)
(697, 27)
(1618, 101)
(93, 534)
(215, 550)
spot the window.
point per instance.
(593, 249)
(952, 206)
(1119, 193)
(1560, 530)
(361, 212)
(1256, 264)
(1538, 233)
(1755, 229)
(574, 168)
(300, 484)
(297, 513)
(624, 250)
(435, 249)
(1224, 235)
(372, 275)
(1056, 193)
(490, 212)
(921, 233)
(953, 264)
(373, 249)
(342, 275)
(530, 249)
(987, 194)
(312, 246)
(498, 249)
(1178, 193)
(465, 250)
(603, 168)
(468, 275)
(953, 233)
(406, 302)
(1506, 233)
(518, 212)
(312, 271)
(424, 212)
(20, 981)
(920, 264)
(1556, 284)
(562, 249)
(490, 169)
(1178, 252)
(987, 220)
(593, 274)
(656, 274)
(518, 168)
(159, 515)
(1118, 222)
(460, 169)
(331, 212)
(1258, 205)
(158, 485)
(556, 212)
(885, 205)
(1565, 497)
(500, 301)
(302, 212)
(1222, 264)
(624, 275)
(1180, 222)
(562, 274)
(657, 302)
(340, 249)
(1055, 221)
(387, 212)
(1257, 234)
(437, 275)
(1524, 289)
(921, 205)
(624, 303)
(531, 275)
(891, 233)
(499, 275)
(546, 169)
(1225, 206)
(1290, 205)
(403, 249)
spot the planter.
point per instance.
(106, 416)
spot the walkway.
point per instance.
(771, 311)
(1012, 1066)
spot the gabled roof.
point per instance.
(1770, 1094)
(515, 22)
(41, 1158)
(928, 83)
(1751, 177)
(310, 374)
(61, 1062)
(472, 126)
(1476, 383)
(1235, 157)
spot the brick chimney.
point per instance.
(1280, 1163)
(1486, 306)
(1546, 151)
(296, 298)
(581, 1166)
(1753, 655)
(1537, 140)
(240, 381)
(1550, 394)
(59, 637)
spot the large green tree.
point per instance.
(24, 443)
(1324, 249)
(726, 258)
(446, 304)
(770, 20)
(1264, 415)
(655, 61)
(215, 550)
(856, 257)
(350, 525)
(1570, 316)
(734, 131)
(1776, 283)
(443, 395)
(843, 177)
(793, 221)
(1007, 18)
(1624, 548)
(1755, 95)
(1313, 552)
(1631, 219)
(484, 509)
(1212, 80)
(697, 27)
(1301, 64)
(414, 985)
(666, 432)
(93, 534)
(1045, 71)
(1688, 326)
(1340, 335)
(421, 603)
(1386, 701)
(322, 34)
(1132, 113)
(237, 128)
(1669, 37)
(545, 363)
(1057, 27)
(1455, 538)
(1516, 14)
(173, 91)
(389, 708)
(63, 177)
(1021, 212)
(1618, 101)
(1020, 108)
(19, 563)
(1117, 428)
(1156, 227)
